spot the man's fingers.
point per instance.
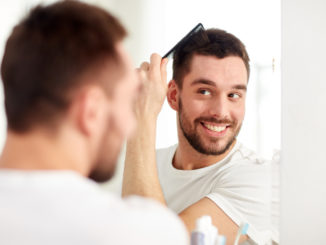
(156, 69)
(155, 62)
(141, 75)
(144, 66)
(164, 63)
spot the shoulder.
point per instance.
(150, 219)
(245, 175)
(247, 164)
(106, 217)
(246, 155)
(146, 221)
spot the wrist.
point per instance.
(147, 119)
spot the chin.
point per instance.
(102, 175)
(212, 147)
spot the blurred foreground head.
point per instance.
(64, 67)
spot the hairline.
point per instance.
(187, 65)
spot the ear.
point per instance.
(173, 95)
(92, 110)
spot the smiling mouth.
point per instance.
(215, 128)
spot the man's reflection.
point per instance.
(208, 172)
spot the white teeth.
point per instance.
(215, 128)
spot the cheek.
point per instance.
(193, 108)
(124, 118)
(238, 113)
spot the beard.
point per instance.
(214, 146)
(101, 176)
(107, 156)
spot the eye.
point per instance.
(234, 96)
(204, 92)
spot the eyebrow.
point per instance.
(240, 87)
(211, 83)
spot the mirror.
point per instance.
(255, 23)
(155, 26)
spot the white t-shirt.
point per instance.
(62, 207)
(241, 185)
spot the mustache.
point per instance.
(215, 120)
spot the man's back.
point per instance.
(62, 207)
(70, 87)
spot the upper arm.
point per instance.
(220, 219)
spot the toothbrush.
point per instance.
(243, 228)
(221, 240)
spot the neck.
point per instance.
(42, 150)
(187, 158)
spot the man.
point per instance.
(69, 89)
(209, 172)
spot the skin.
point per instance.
(121, 121)
(92, 126)
(213, 93)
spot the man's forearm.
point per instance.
(140, 173)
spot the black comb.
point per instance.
(197, 28)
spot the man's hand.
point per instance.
(153, 77)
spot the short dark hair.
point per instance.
(210, 42)
(46, 55)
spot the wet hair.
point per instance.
(46, 55)
(210, 42)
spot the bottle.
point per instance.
(204, 233)
(197, 238)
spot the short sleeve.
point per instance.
(243, 191)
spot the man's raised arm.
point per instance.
(140, 173)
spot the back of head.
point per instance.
(46, 55)
(211, 42)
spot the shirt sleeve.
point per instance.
(243, 191)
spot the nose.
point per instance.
(218, 107)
